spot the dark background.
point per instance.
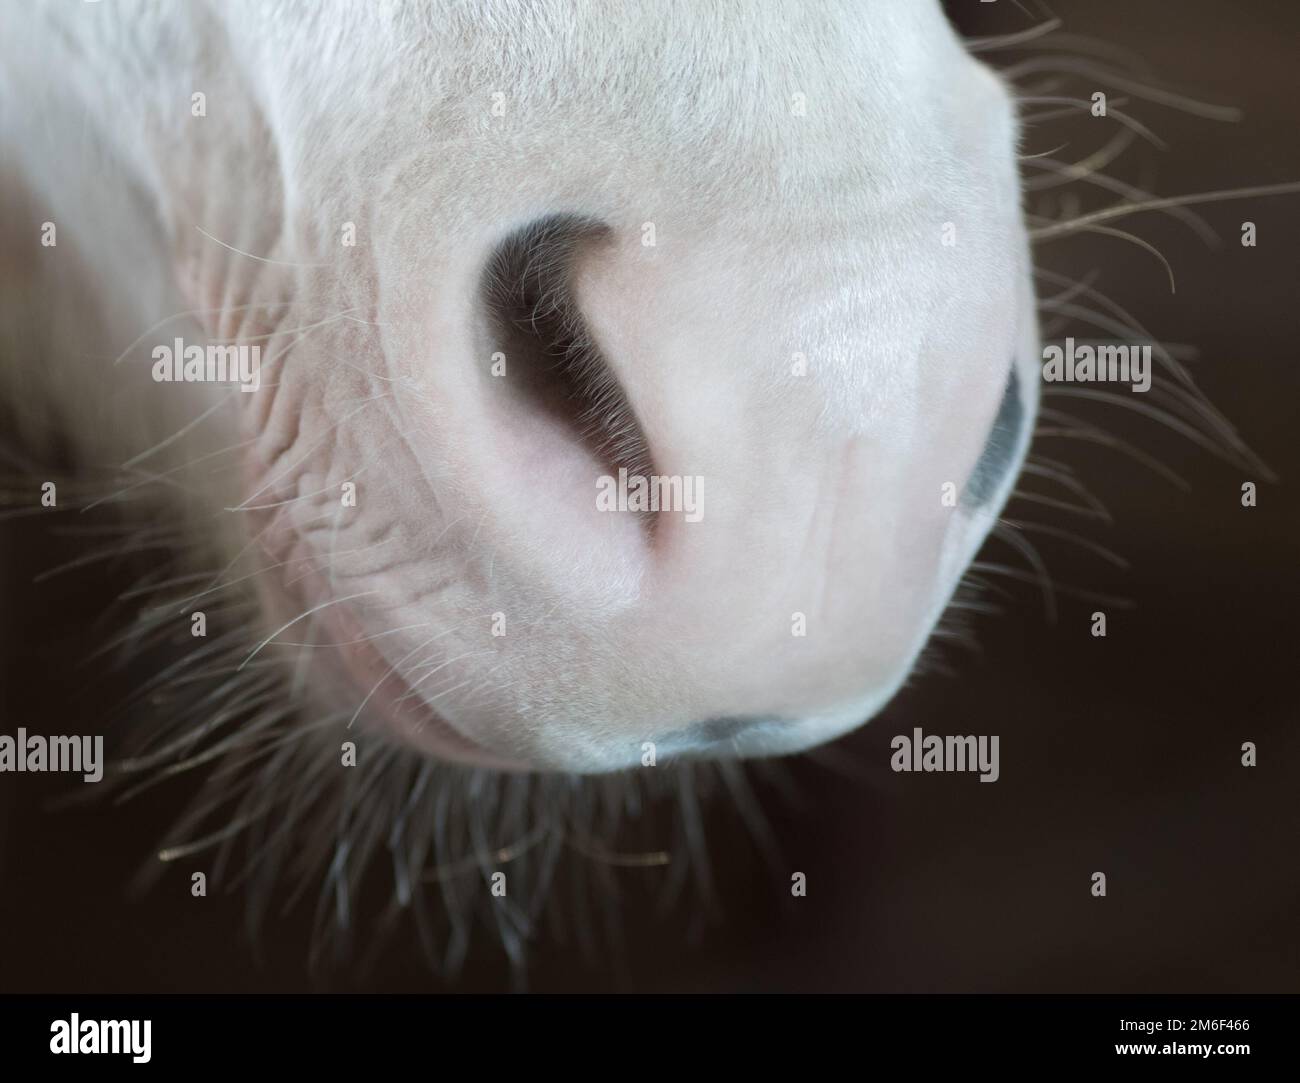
(1119, 755)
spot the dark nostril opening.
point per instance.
(713, 732)
(999, 449)
(552, 359)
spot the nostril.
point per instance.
(546, 421)
(999, 450)
(553, 362)
(713, 733)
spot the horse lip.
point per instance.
(393, 707)
(386, 702)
